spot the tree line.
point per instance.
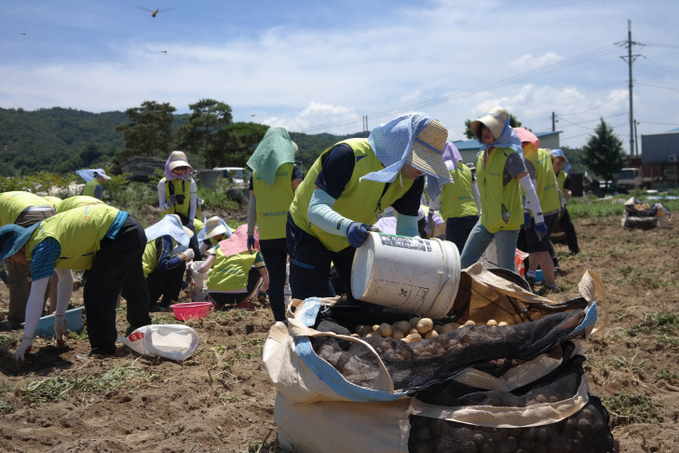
(60, 140)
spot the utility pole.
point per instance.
(365, 123)
(553, 122)
(630, 59)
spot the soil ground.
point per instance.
(221, 399)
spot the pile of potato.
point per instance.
(414, 330)
(578, 433)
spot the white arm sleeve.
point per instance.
(162, 205)
(193, 191)
(322, 215)
(252, 214)
(36, 301)
(64, 290)
(207, 264)
(477, 195)
(532, 201)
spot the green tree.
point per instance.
(237, 142)
(603, 153)
(206, 120)
(149, 129)
(468, 126)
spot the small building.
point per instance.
(470, 148)
(659, 149)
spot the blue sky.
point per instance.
(321, 66)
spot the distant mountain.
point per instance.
(62, 140)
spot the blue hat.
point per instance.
(13, 237)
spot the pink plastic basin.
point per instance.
(190, 310)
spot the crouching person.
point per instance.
(234, 271)
(100, 238)
(164, 273)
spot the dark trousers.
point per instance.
(116, 267)
(310, 267)
(222, 299)
(275, 254)
(166, 284)
(458, 229)
(568, 228)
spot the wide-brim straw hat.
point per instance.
(427, 153)
(494, 119)
(101, 173)
(214, 227)
(178, 159)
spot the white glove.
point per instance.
(23, 349)
(60, 329)
(189, 254)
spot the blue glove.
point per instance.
(541, 230)
(526, 220)
(251, 243)
(357, 233)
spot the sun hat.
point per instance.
(101, 173)
(214, 227)
(13, 237)
(170, 225)
(177, 159)
(495, 119)
(556, 153)
(89, 174)
(427, 154)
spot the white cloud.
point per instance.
(528, 62)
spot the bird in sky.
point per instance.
(252, 114)
(23, 33)
(154, 13)
(164, 51)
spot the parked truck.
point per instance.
(638, 176)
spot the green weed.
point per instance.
(7, 343)
(660, 323)
(628, 408)
(630, 365)
(666, 374)
(56, 388)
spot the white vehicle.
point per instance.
(239, 176)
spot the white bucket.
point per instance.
(411, 274)
(198, 283)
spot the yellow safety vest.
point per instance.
(545, 180)
(360, 201)
(457, 199)
(502, 209)
(273, 202)
(230, 273)
(13, 203)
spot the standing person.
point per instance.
(235, 271)
(539, 165)
(274, 180)
(100, 238)
(23, 209)
(561, 167)
(500, 170)
(460, 200)
(345, 189)
(164, 273)
(93, 182)
(177, 193)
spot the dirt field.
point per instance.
(221, 399)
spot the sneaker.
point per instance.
(246, 305)
(530, 280)
(546, 289)
(559, 271)
(10, 326)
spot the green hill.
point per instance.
(60, 140)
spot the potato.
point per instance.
(403, 326)
(413, 330)
(492, 323)
(413, 337)
(397, 334)
(448, 327)
(376, 327)
(385, 329)
(365, 330)
(502, 323)
(355, 335)
(437, 328)
(359, 328)
(470, 323)
(414, 321)
(424, 325)
(431, 334)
